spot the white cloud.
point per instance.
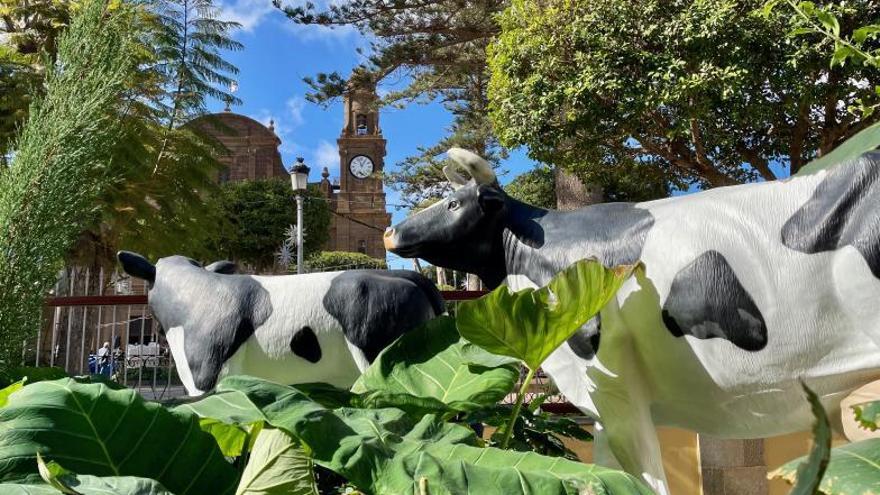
(295, 106)
(313, 32)
(326, 155)
(248, 13)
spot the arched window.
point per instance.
(361, 125)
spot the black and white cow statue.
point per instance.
(745, 290)
(319, 327)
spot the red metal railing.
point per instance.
(124, 300)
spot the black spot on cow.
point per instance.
(585, 342)
(707, 301)
(375, 307)
(844, 210)
(305, 345)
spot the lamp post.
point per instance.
(299, 179)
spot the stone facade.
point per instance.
(252, 148)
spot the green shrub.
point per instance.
(328, 261)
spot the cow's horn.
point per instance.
(479, 168)
(456, 179)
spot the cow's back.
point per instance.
(748, 288)
(375, 307)
(336, 322)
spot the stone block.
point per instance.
(735, 481)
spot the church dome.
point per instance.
(251, 147)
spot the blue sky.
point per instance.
(277, 54)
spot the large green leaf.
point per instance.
(9, 390)
(94, 430)
(868, 414)
(92, 485)
(530, 324)
(867, 139)
(25, 489)
(385, 451)
(60, 479)
(853, 469)
(230, 438)
(429, 363)
(278, 466)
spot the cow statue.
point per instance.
(318, 327)
(744, 291)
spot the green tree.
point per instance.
(31, 29)
(439, 49)
(859, 44)
(694, 90)
(188, 40)
(257, 215)
(535, 187)
(63, 163)
(157, 205)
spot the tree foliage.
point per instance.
(858, 46)
(704, 92)
(157, 204)
(31, 29)
(63, 163)
(535, 187)
(438, 48)
(256, 216)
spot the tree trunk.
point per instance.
(441, 277)
(572, 194)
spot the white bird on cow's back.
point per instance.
(320, 327)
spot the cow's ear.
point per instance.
(136, 266)
(223, 266)
(491, 199)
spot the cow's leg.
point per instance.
(622, 399)
(602, 454)
(632, 438)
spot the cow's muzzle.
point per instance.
(388, 239)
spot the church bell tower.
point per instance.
(360, 218)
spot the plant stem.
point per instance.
(821, 29)
(517, 407)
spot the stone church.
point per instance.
(356, 198)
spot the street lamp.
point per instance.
(299, 180)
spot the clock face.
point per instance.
(361, 166)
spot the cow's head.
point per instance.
(462, 231)
(201, 332)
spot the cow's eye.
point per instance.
(453, 205)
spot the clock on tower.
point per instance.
(360, 218)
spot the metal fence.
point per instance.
(114, 334)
